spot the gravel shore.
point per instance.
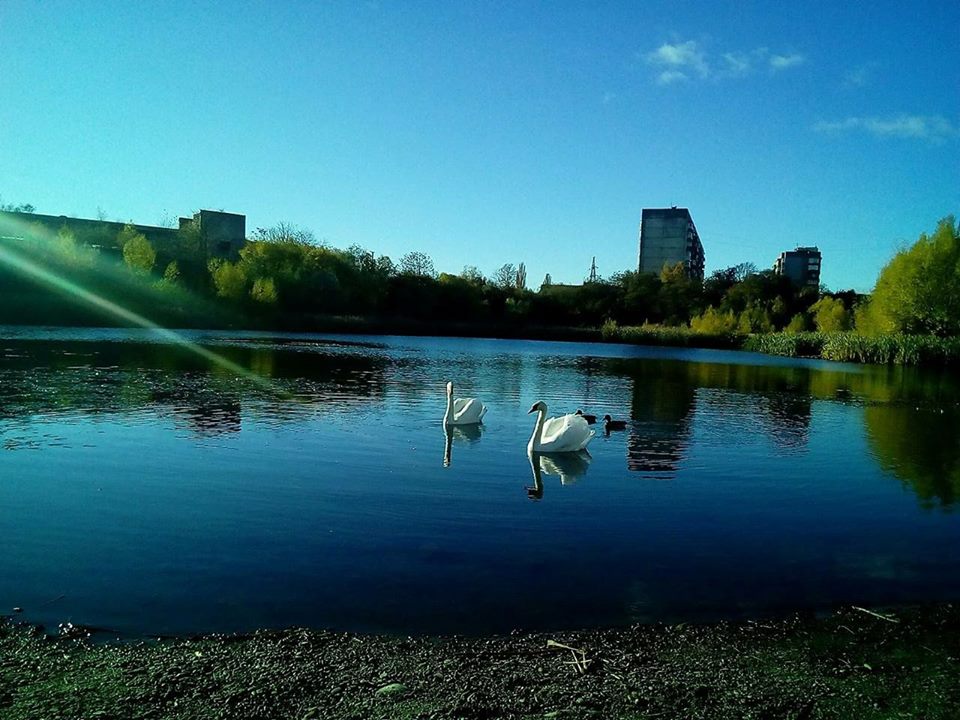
(854, 663)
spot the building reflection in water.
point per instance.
(661, 410)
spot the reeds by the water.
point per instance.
(894, 349)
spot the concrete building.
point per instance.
(668, 236)
(223, 233)
(802, 266)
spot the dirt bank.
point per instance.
(851, 664)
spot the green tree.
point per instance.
(714, 322)
(754, 319)
(72, 253)
(229, 279)
(830, 315)
(798, 324)
(918, 291)
(264, 290)
(676, 295)
(171, 274)
(138, 253)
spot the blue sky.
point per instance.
(485, 133)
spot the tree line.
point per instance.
(284, 276)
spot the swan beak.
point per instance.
(532, 410)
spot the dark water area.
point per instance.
(272, 481)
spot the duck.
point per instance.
(591, 419)
(610, 424)
(567, 433)
(463, 411)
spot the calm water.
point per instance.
(147, 490)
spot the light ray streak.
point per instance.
(28, 268)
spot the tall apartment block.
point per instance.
(668, 236)
(802, 266)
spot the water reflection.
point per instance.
(568, 466)
(469, 434)
(921, 446)
(46, 378)
(661, 410)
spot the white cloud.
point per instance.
(679, 58)
(782, 62)
(671, 76)
(924, 127)
(737, 63)
(679, 61)
(860, 75)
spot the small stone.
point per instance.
(392, 689)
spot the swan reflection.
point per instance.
(469, 434)
(568, 466)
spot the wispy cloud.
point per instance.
(679, 61)
(782, 62)
(737, 63)
(859, 76)
(934, 128)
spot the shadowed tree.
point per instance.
(505, 277)
(521, 283)
(417, 264)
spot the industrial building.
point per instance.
(802, 266)
(668, 236)
(222, 233)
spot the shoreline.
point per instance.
(853, 662)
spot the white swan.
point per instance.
(567, 433)
(463, 411)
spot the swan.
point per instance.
(591, 419)
(463, 411)
(567, 433)
(610, 424)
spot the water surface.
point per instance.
(147, 490)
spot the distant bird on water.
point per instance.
(591, 419)
(610, 424)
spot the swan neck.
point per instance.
(538, 429)
(448, 415)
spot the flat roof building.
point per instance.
(222, 233)
(668, 236)
(802, 266)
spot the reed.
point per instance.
(892, 349)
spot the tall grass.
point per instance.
(893, 349)
(669, 336)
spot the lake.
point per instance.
(278, 480)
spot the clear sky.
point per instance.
(487, 132)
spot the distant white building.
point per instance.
(668, 236)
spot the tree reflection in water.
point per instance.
(921, 446)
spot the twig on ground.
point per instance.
(888, 618)
(579, 656)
